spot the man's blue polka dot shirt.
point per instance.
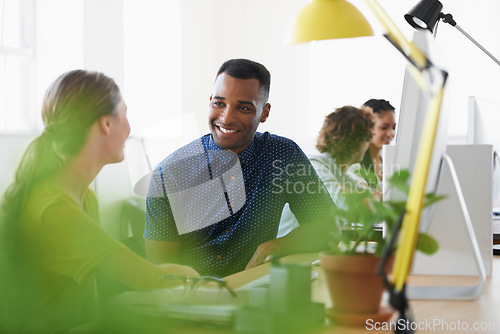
(191, 200)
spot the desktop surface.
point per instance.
(430, 316)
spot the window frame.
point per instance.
(24, 55)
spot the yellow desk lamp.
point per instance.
(329, 19)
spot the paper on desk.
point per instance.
(204, 304)
(266, 280)
(201, 295)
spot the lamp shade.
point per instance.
(425, 14)
(329, 19)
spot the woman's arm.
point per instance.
(132, 270)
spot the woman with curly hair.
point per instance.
(343, 141)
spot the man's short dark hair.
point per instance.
(248, 69)
(378, 105)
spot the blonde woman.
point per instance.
(52, 245)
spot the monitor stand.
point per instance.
(455, 292)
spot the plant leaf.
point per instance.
(427, 244)
(399, 180)
(432, 198)
(361, 211)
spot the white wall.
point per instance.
(59, 43)
(308, 81)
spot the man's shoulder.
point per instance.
(275, 141)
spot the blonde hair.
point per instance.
(72, 103)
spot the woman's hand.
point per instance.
(177, 269)
(175, 274)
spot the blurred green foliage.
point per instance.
(361, 211)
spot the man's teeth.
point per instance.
(227, 130)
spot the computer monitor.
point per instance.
(484, 122)
(423, 110)
(415, 102)
(420, 147)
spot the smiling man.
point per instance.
(216, 203)
(237, 106)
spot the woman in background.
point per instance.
(385, 126)
(343, 140)
(51, 243)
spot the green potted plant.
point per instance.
(350, 263)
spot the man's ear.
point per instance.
(265, 112)
(210, 101)
(105, 124)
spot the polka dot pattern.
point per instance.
(275, 171)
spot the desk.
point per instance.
(433, 316)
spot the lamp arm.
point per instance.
(448, 18)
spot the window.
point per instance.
(16, 35)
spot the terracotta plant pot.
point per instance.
(353, 283)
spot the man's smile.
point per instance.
(225, 130)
